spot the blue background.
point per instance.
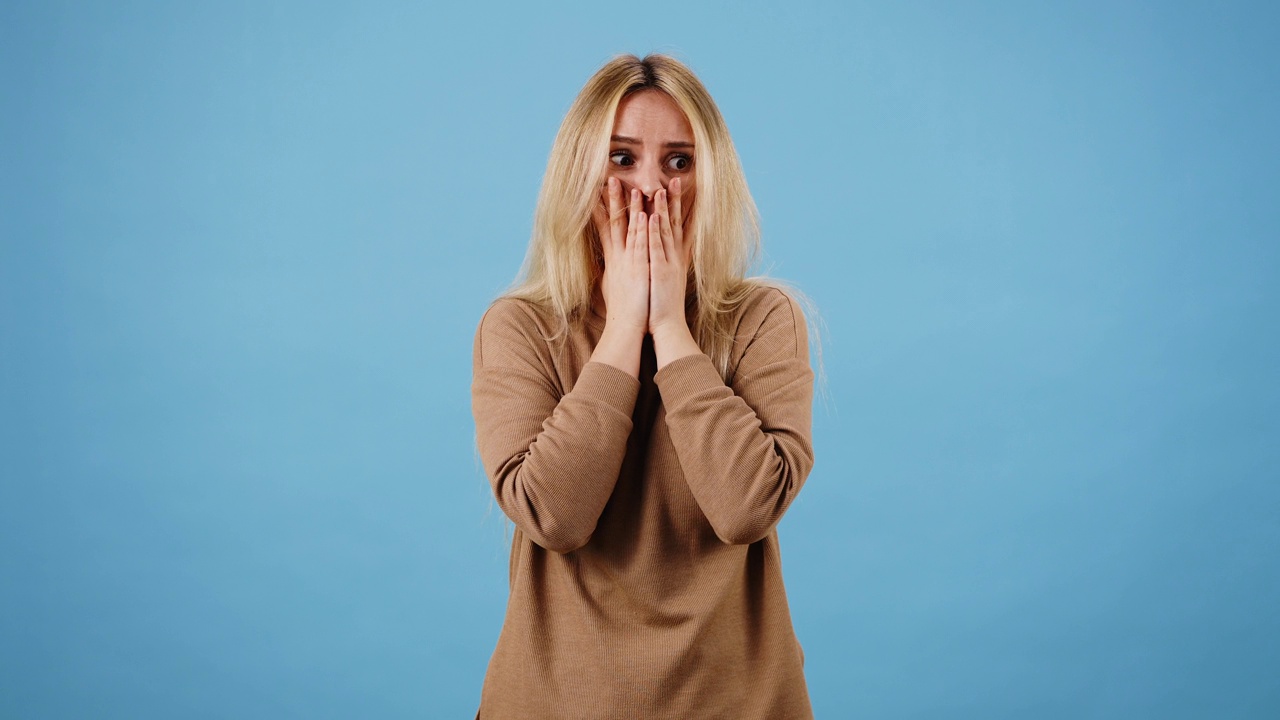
(246, 246)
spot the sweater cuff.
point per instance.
(683, 378)
(609, 385)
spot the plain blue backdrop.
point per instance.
(246, 246)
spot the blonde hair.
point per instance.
(562, 267)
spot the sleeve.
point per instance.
(745, 448)
(552, 458)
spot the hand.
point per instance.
(669, 259)
(624, 240)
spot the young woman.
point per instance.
(642, 411)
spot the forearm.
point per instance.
(619, 347)
(552, 474)
(744, 469)
(673, 341)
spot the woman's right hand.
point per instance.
(624, 239)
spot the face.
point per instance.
(652, 144)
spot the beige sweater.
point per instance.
(646, 578)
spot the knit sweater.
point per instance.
(645, 571)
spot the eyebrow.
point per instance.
(633, 141)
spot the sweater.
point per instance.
(645, 569)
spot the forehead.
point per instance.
(654, 114)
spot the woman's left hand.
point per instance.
(669, 260)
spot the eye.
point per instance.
(622, 158)
(679, 163)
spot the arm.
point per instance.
(552, 459)
(745, 449)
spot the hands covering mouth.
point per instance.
(646, 258)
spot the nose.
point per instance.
(649, 181)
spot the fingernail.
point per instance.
(675, 185)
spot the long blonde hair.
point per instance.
(562, 266)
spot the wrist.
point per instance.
(669, 329)
(672, 340)
(619, 346)
(622, 328)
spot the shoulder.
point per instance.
(767, 296)
(512, 326)
(774, 310)
(508, 310)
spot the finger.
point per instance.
(600, 218)
(680, 219)
(617, 216)
(640, 240)
(657, 250)
(677, 210)
(632, 218)
(670, 248)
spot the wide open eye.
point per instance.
(679, 163)
(621, 158)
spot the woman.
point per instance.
(643, 414)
